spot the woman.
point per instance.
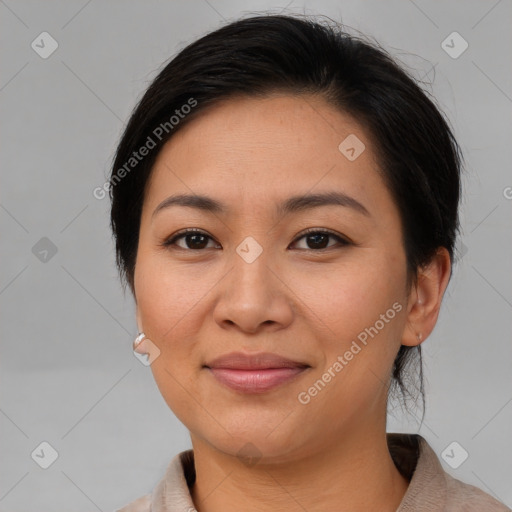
(285, 208)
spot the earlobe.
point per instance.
(413, 333)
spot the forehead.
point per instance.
(278, 125)
(250, 150)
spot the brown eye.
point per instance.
(191, 239)
(318, 240)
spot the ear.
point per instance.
(425, 298)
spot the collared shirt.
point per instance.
(430, 488)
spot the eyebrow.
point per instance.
(291, 205)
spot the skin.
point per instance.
(295, 300)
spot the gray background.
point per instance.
(68, 375)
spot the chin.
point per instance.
(253, 444)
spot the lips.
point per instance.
(256, 373)
(262, 361)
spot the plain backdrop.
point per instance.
(68, 375)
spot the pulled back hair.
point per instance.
(418, 155)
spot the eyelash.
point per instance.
(168, 243)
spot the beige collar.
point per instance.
(411, 453)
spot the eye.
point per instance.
(318, 239)
(194, 239)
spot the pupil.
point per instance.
(196, 243)
(316, 238)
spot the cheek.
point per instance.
(361, 310)
(168, 295)
(173, 301)
(351, 297)
(169, 302)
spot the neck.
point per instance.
(356, 474)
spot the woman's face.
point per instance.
(256, 282)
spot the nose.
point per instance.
(253, 297)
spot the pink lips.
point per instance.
(256, 373)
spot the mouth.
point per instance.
(256, 373)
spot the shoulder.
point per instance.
(172, 492)
(464, 497)
(143, 504)
(431, 488)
